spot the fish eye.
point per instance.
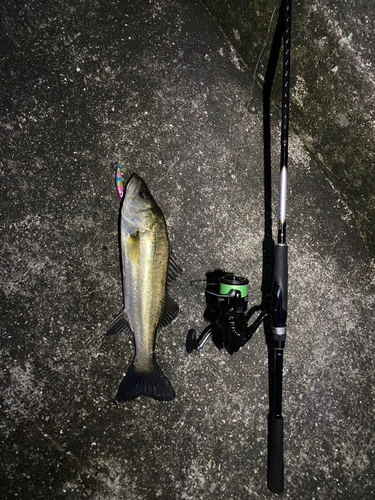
(142, 193)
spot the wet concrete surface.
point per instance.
(157, 88)
(332, 105)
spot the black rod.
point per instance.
(275, 473)
(278, 382)
(285, 121)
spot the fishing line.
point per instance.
(260, 57)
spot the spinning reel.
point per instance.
(226, 310)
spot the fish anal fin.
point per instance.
(170, 313)
(119, 324)
(173, 269)
(151, 383)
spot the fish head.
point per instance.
(139, 207)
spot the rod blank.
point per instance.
(275, 476)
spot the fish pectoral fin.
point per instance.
(173, 269)
(119, 324)
(171, 311)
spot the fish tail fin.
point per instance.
(152, 383)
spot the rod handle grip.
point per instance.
(280, 277)
(275, 479)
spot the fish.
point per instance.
(147, 269)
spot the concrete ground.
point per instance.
(333, 83)
(156, 87)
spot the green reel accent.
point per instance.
(231, 282)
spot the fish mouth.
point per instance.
(133, 184)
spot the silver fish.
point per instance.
(147, 268)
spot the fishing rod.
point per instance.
(275, 479)
(226, 294)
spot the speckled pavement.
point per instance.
(156, 87)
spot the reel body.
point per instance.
(226, 312)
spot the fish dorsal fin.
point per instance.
(173, 269)
(171, 311)
(119, 324)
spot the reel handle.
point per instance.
(193, 343)
(191, 340)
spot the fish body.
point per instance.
(146, 268)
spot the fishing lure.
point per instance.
(119, 184)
